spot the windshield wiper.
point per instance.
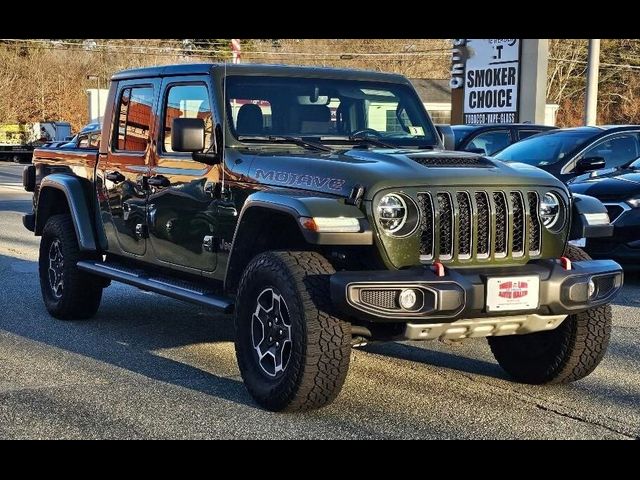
(372, 141)
(359, 139)
(287, 138)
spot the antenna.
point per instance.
(224, 125)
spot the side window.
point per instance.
(616, 150)
(522, 134)
(134, 119)
(490, 142)
(187, 101)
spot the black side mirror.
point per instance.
(589, 164)
(187, 135)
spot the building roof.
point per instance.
(432, 90)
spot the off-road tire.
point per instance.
(320, 342)
(81, 292)
(568, 353)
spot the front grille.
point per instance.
(445, 210)
(426, 225)
(534, 224)
(500, 207)
(380, 298)
(467, 225)
(517, 206)
(483, 218)
(464, 222)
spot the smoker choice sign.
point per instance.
(491, 81)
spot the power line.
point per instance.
(611, 65)
(168, 50)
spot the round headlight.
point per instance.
(549, 209)
(392, 212)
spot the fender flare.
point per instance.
(296, 204)
(76, 195)
(311, 204)
(580, 225)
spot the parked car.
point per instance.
(568, 152)
(487, 139)
(88, 137)
(619, 190)
(54, 144)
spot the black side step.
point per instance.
(179, 289)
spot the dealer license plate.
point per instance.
(513, 293)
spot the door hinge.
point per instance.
(207, 243)
(142, 231)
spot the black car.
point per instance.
(619, 190)
(568, 152)
(487, 139)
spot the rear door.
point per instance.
(127, 165)
(182, 211)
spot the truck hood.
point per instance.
(338, 173)
(615, 185)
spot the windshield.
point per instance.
(327, 110)
(635, 164)
(545, 149)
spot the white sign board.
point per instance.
(491, 81)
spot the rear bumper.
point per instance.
(461, 293)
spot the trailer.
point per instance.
(18, 140)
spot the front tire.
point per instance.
(68, 293)
(293, 354)
(566, 354)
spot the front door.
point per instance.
(182, 209)
(127, 165)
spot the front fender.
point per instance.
(75, 193)
(582, 223)
(310, 204)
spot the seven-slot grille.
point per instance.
(466, 225)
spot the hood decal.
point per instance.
(299, 179)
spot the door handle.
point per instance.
(115, 177)
(159, 181)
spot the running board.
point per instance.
(178, 289)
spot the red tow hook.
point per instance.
(565, 262)
(438, 268)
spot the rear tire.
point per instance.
(68, 293)
(570, 352)
(293, 354)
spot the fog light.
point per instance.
(408, 298)
(592, 288)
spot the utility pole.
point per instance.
(591, 101)
(97, 79)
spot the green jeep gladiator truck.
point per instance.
(319, 207)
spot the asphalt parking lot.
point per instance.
(150, 367)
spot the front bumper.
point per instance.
(461, 293)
